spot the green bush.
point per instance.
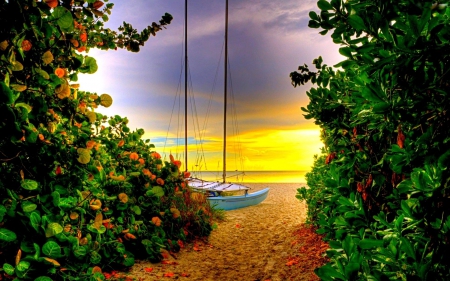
(79, 192)
(380, 190)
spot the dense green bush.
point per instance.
(79, 192)
(380, 190)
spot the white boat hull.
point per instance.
(239, 201)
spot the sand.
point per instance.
(253, 244)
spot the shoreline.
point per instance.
(252, 244)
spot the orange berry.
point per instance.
(52, 3)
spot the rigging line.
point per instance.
(205, 124)
(194, 114)
(201, 156)
(238, 143)
(177, 93)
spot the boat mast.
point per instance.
(185, 88)
(225, 95)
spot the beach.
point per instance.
(258, 243)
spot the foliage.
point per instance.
(380, 190)
(79, 191)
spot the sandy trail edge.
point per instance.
(252, 244)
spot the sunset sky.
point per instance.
(268, 39)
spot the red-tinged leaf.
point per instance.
(169, 274)
(400, 137)
(180, 243)
(58, 170)
(292, 262)
(165, 254)
(148, 269)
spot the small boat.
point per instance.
(216, 190)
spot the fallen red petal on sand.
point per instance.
(196, 247)
(148, 269)
(169, 262)
(184, 274)
(291, 262)
(238, 225)
(169, 274)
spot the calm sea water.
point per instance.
(255, 176)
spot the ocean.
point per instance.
(254, 176)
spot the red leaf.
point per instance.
(184, 274)
(169, 262)
(169, 274)
(196, 247)
(400, 137)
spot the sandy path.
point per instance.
(254, 243)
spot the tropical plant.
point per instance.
(79, 192)
(380, 190)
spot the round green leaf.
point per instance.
(89, 66)
(137, 210)
(158, 191)
(80, 252)
(53, 229)
(29, 184)
(23, 266)
(51, 249)
(9, 269)
(28, 207)
(7, 235)
(65, 20)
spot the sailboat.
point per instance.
(217, 190)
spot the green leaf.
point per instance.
(64, 18)
(356, 22)
(43, 73)
(370, 243)
(6, 95)
(53, 228)
(158, 191)
(137, 210)
(28, 207)
(29, 184)
(35, 220)
(9, 269)
(80, 252)
(43, 278)
(324, 5)
(7, 235)
(313, 16)
(327, 272)
(23, 266)
(346, 51)
(56, 197)
(51, 249)
(370, 95)
(89, 65)
(408, 248)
